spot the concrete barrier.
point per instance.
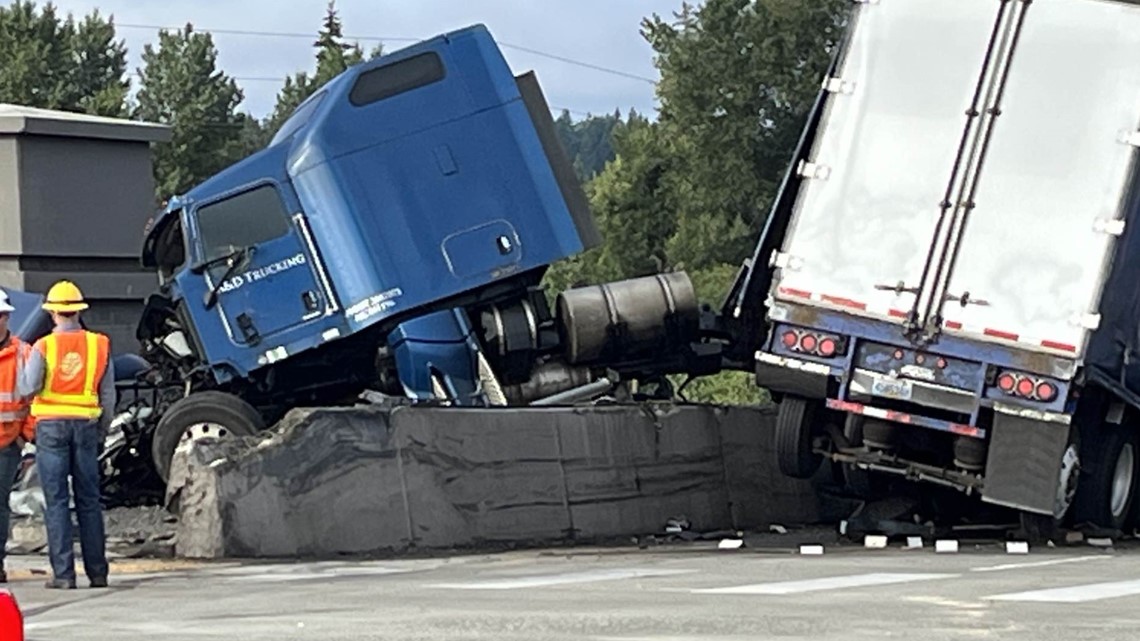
(373, 480)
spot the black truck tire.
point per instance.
(794, 423)
(234, 416)
(1110, 467)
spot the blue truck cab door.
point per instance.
(261, 269)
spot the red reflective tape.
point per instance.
(844, 406)
(953, 325)
(799, 293)
(898, 313)
(899, 417)
(964, 430)
(1064, 347)
(845, 302)
(1000, 334)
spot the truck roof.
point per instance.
(303, 140)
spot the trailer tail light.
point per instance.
(809, 343)
(11, 619)
(1025, 387)
(813, 343)
(791, 339)
(1033, 388)
(1007, 383)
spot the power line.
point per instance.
(577, 112)
(285, 34)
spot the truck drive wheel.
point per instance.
(216, 414)
(794, 424)
(1107, 491)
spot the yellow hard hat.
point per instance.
(64, 296)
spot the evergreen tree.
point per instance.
(54, 63)
(180, 85)
(333, 56)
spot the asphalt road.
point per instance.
(667, 594)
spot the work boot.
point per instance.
(60, 584)
(99, 582)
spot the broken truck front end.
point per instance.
(955, 238)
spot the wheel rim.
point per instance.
(1122, 480)
(201, 431)
(1067, 488)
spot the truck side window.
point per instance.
(247, 219)
(170, 251)
(387, 81)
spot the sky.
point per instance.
(602, 33)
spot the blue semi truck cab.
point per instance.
(392, 237)
(948, 280)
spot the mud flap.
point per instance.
(1023, 468)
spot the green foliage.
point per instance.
(589, 142)
(691, 191)
(726, 388)
(56, 63)
(181, 86)
(737, 79)
(333, 55)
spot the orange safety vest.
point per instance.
(74, 364)
(14, 418)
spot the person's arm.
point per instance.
(31, 375)
(107, 394)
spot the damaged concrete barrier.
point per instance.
(362, 480)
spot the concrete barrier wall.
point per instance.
(361, 480)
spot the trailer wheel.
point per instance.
(211, 413)
(794, 424)
(1111, 466)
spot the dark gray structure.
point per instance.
(75, 195)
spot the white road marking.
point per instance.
(827, 583)
(1074, 593)
(949, 603)
(1041, 564)
(33, 626)
(558, 579)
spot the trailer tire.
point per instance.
(794, 423)
(1110, 461)
(232, 414)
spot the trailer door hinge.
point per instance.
(1088, 321)
(1107, 226)
(839, 85)
(1130, 138)
(812, 170)
(781, 260)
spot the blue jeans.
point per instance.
(70, 447)
(9, 465)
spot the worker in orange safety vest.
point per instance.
(70, 380)
(15, 422)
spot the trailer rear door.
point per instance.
(1035, 247)
(866, 218)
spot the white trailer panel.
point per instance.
(885, 152)
(1056, 176)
